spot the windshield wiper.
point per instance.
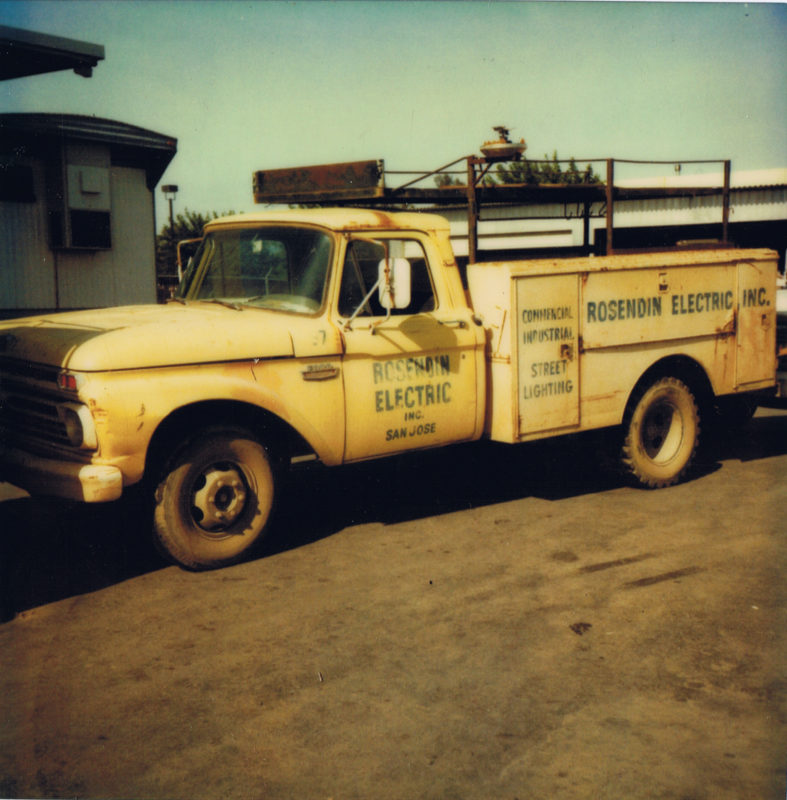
(177, 300)
(225, 303)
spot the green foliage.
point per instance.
(443, 179)
(546, 171)
(550, 170)
(186, 225)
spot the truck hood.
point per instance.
(149, 336)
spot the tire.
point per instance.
(216, 501)
(661, 434)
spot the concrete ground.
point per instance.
(481, 622)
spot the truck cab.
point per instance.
(334, 335)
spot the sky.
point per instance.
(246, 86)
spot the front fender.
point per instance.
(129, 406)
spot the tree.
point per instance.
(443, 179)
(531, 172)
(546, 171)
(186, 225)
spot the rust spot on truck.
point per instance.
(602, 398)
(379, 220)
(729, 327)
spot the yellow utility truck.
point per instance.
(340, 335)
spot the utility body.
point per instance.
(340, 335)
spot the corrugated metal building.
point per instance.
(77, 226)
(758, 217)
(494, 219)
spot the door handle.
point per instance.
(319, 372)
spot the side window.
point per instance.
(359, 277)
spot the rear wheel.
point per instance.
(215, 502)
(661, 433)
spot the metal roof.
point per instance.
(25, 53)
(31, 131)
(85, 128)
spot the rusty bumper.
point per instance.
(88, 483)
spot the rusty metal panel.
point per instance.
(756, 341)
(322, 183)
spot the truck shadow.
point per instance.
(50, 551)
(442, 481)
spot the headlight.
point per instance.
(79, 425)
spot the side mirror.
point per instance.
(393, 283)
(179, 255)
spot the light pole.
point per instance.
(170, 190)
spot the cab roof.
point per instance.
(338, 219)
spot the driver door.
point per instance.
(409, 374)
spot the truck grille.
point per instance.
(29, 398)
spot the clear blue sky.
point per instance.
(261, 85)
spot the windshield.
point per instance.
(283, 268)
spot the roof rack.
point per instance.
(364, 182)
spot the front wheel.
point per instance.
(661, 433)
(215, 502)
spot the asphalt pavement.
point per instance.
(476, 622)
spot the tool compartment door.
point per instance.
(756, 330)
(547, 352)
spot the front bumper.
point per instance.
(88, 483)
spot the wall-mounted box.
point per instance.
(79, 191)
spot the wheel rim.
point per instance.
(218, 497)
(662, 432)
